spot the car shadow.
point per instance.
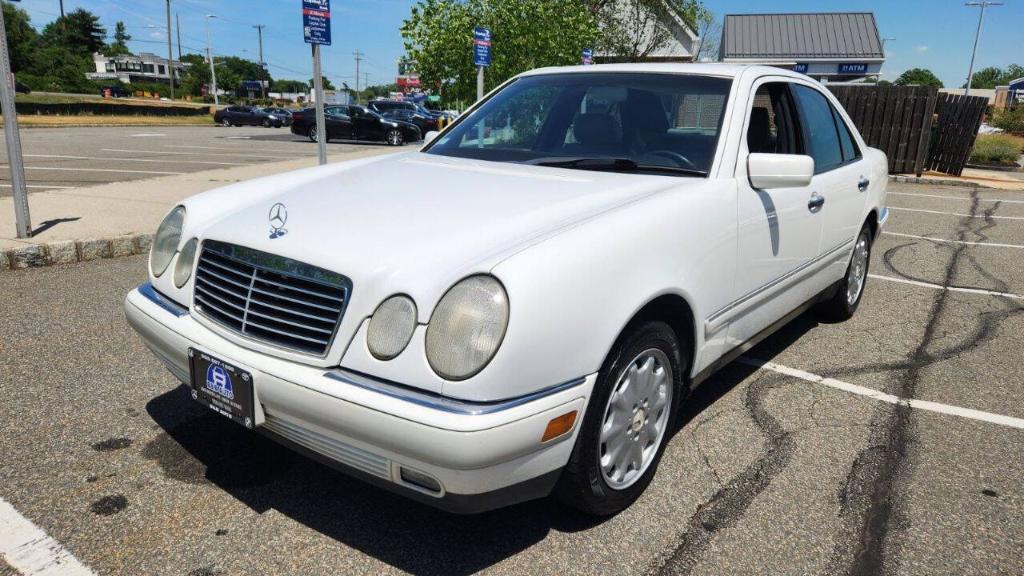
(199, 447)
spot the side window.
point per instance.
(846, 141)
(773, 128)
(819, 128)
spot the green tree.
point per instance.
(919, 76)
(633, 29)
(120, 44)
(994, 76)
(79, 31)
(288, 86)
(439, 35)
(22, 38)
(327, 84)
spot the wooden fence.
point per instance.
(894, 119)
(959, 118)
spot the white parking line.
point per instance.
(956, 197)
(135, 159)
(39, 186)
(943, 240)
(149, 135)
(96, 170)
(30, 551)
(956, 213)
(158, 152)
(292, 151)
(950, 288)
(926, 405)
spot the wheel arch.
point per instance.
(675, 310)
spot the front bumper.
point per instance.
(482, 455)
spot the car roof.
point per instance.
(702, 68)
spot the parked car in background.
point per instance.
(346, 122)
(246, 116)
(423, 122)
(533, 322)
(283, 114)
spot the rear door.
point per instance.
(779, 230)
(840, 171)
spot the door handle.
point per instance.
(862, 184)
(815, 203)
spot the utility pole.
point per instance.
(359, 57)
(177, 20)
(366, 84)
(263, 90)
(209, 56)
(977, 34)
(170, 54)
(14, 159)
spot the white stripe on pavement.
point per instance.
(926, 405)
(226, 149)
(135, 159)
(38, 186)
(950, 288)
(30, 551)
(956, 213)
(96, 170)
(158, 152)
(993, 244)
(956, 197)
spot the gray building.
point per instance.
(830, 47)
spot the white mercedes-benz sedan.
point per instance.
(580, 249)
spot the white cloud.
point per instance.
(920, 49)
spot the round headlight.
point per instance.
(183, 266)
(165, 243)
(391, 327)
(467, 327)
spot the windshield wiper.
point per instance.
(610, 164)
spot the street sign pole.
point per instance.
(15, 160)
(316, 29)
(321, 122)
(479, 82)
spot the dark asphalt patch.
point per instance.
(109, 505)
(111, 444)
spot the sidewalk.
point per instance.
(972, 177)
(118, 219)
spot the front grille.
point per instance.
(270, 298)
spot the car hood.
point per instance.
(413, 223)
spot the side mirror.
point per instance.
(429, 137)
(768, 171)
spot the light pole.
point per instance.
(981, 18)
(209, 56)
(170, 55)
(23, 223)
(259, 29)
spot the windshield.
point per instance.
(631, 120)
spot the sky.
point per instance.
(933, 34)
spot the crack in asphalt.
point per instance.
(729, 504)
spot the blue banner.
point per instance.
(588, 56)
(481, 46)
(316, 21)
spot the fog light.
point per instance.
(420, 479)
(558, 426)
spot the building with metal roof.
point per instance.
(828, 46)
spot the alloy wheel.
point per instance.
(635, 419)
(858, 270)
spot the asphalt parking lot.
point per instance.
(815, 463)
(71, 157)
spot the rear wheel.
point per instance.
(314, 136)
(394, 137)
(226, 122)
(626, 427)
(843, 304)
(266, 122)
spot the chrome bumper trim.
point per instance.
(443, 403)
(151, 294)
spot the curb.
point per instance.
(71, 251)
(935, 181)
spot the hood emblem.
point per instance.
(278, 216)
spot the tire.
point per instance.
(266, 123)
(394, 137)
(590, 481)
(850, 290)
(311, 134)
(226, 122)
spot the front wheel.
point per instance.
(394, 137)
(843, 304)
(314, 136)
(225, 122)
(266, 123)
(627, 423)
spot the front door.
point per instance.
(779, 230)
(339, 125)
(367, 125)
